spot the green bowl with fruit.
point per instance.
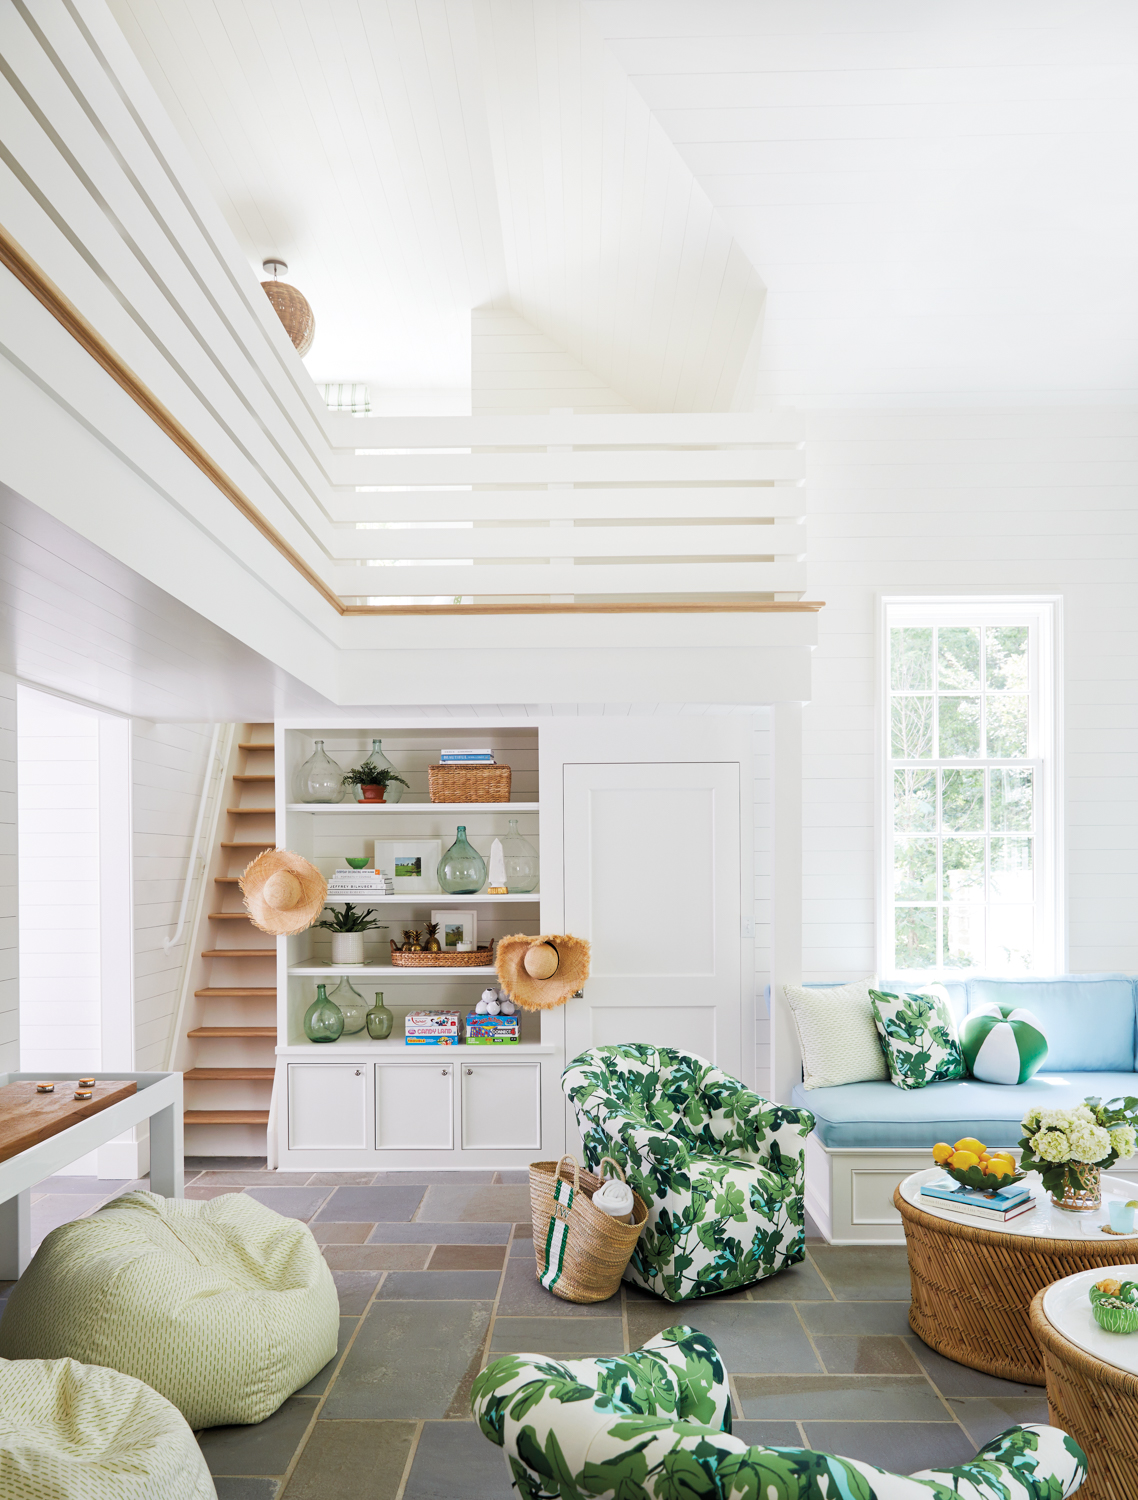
(1115, 1305)
(983, 1182)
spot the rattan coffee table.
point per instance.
(1092, 1382)
(972, 1285)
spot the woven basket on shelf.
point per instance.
(480, 958)
(469, 783)
(597, 1247)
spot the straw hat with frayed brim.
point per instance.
(283, 892)
(541, 972)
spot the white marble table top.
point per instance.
(1067, 1307)
(1044, 1221)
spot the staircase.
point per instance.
(228, 1054)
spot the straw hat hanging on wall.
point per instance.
(541, 972)
(283, 893)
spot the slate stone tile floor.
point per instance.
(435, 1275)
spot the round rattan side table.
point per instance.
(1092, 1400)
(972, 1287)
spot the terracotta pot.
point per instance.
(373, 793)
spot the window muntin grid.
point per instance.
(964, 797)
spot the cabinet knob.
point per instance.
(446, 1072)
(469, 1072)
(359, 1072)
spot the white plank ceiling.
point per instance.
(414, 159)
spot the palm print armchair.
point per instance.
(656, 1425)
(721, 1170)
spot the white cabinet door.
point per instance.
(652, 879)
(414, 1106)
(501, 1105)
(327, 1107)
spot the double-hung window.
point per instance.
(970, 786)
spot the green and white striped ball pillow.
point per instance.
(1002, 1044)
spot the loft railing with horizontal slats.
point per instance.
(687, 508)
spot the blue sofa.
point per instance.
(1090, 1024)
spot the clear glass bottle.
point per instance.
(379, 1020)
(351, 1004)
(323, 1021)
(319, 779)
(462, 870)
(394, 789)
(521, 861)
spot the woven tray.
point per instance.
(480, 958)
(469, 783)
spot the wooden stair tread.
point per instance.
(226, 1075)
(265, 1031)
(248, 812)
(226, 879)
(252, 745)
(225, 1117)
(245, 992)
(239, 953)
(229, 916)
(265, 776)
(248, 844)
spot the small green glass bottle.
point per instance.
(323, 1021)
(462, 870)
(379, 1020)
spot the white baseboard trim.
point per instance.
(125, 1157)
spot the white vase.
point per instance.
(347, 947)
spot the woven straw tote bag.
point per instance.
(581, 1252)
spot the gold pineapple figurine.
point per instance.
(416, 945)
(432, 944)
(406, 948)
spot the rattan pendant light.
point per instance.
(291, 307)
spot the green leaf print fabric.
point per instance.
(656, 1425)
(721, 1170)
(919, 1036)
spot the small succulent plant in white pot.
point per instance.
(347, 927)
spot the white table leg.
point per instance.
(15, 1235)
(167, 1163)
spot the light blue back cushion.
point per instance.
(1088, 1019)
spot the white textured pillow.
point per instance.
(837, 1034)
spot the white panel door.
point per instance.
(501, 1106)
(414, 1105)
(327, 1107)
(652, 879)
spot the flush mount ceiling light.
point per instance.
(290, 306)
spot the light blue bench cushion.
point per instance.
(879, 1116)
(1088, 1019)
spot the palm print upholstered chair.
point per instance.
(722, 1171)
(656, 1425)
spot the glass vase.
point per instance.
(1082, 1190)
(462, 870)
(394, 789)
(521, 861)
(379, 1019)
(351, 1004)
(319, 779)
(323, 1021)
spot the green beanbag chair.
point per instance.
(223, 1307)
(68, 1430)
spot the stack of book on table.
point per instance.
(466, 758)
(998, 1207)
(359, 885)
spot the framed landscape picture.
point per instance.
(411, 863)
(456, 928)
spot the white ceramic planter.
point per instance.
(347, 947)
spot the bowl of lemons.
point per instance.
(971, 1164)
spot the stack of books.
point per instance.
(359, 885)
(431, 1028)
(466, 758)
(492, 1031)
(998, 1207)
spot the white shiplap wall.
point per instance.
(514, 368)
(764, 881)
(9, 890)
(60, 1013)
(169, 763)
(958, 502)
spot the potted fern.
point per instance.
(347, 927)
(372, 780)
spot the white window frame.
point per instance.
(1042, 616)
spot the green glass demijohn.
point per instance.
(319, 779)
(394, 789)
(323, 1021)
(462, 870)
(351, 1005)
(521, 861)
(379, 1019)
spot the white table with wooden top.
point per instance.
(40, 1134)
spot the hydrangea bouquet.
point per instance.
(1070, 1147)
